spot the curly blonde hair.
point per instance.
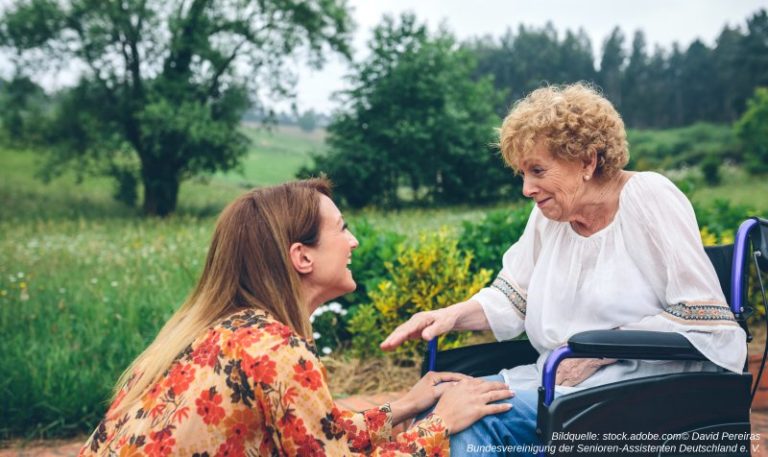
(574, 120)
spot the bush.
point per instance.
(490, 238)
(431, 275)
(721, 217)
(752, 130)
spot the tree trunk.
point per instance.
(161, 191)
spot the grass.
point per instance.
(85, 283)
(738, 187)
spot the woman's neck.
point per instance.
(601, 203)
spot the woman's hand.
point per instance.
(468, 400)
(572, 372)
(425, 325)
(424, 394)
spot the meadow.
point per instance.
(85, 282)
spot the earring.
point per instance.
(586, 177)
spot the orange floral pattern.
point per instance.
(250, 386)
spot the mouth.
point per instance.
(543, 201)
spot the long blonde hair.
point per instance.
(247, 267)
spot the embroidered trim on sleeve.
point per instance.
(700, 312)
(511, 292)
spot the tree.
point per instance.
(166, 82)
(752, 130)
(612, 65)
(414, 118)
(24, 103)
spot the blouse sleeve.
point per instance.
(663, 237)
(303, 419)
(504, 301)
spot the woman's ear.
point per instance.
(301, 258)
(589, 165)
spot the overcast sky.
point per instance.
(663, 21)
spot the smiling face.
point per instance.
(555, 185)
(330, 276)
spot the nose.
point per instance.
(529, 189)
(353, 241)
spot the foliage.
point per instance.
(376, 248)
(431, 275)
(488, 239)
(330, 327)
(752, 130)
(166, 82)
(721, 218)
(23, 108)
(696, 144)
(659, 88)
(414, 119)
(521, 61)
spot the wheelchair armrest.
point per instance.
(633, 344)
(615, 344)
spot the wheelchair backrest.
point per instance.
(722, 259)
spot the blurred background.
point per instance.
(126, 126)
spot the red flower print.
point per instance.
(208, 406)
(161, 443)
(306, 374)
(278, 329)
(259, 369)
(376, 419)
(241, 424)
(311, 447)
(231, 448)
(206, 354)
(359, 441)
(246, 336)
(180, 377)
(293, 428)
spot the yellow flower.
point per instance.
(22, 285)
(708, 238)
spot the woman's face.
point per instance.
(332, 254)
(555, 185)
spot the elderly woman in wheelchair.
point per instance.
(603, 249)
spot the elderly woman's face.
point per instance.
(554, 184)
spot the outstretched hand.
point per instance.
(468, 400)
(425, 325)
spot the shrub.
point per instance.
(752, 131)
(721, 217)
(431, 275)
(377, 247)
(488, 239)
(329, 327)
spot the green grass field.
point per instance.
(85, 282)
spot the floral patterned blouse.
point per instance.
(250, 386)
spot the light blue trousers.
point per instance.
(510, 433)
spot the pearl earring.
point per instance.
(586, 177)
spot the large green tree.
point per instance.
(414, 119)
(164, 83)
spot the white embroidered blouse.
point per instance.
(646, 270)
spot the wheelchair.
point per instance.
(681, 414)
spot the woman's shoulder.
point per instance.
(646, 186)
(254, 331)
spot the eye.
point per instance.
(344, 227)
